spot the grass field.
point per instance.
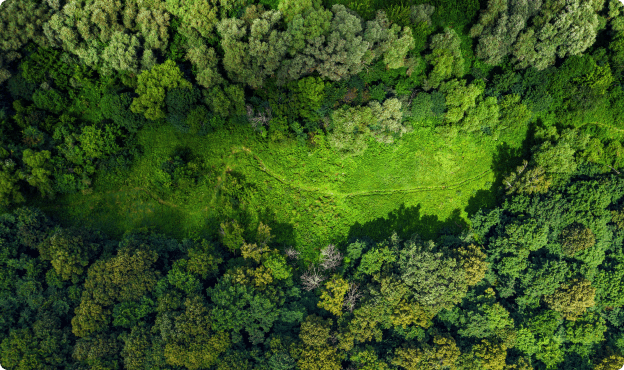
(423, 182)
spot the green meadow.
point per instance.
(308, 195)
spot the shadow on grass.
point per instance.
(406, 221)
(505, 160)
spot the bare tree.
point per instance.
(292, 253)
(312, 278)
(330, 257)
(259, 119)
(352, 296)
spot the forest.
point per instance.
(312, 184)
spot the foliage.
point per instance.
(332, 297)
(489, 237)
(446, 58)
(152, 87)
(572, 299)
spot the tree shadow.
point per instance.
(233, 206)
(407, 221)
(505, 160)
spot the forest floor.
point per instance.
(307, 195)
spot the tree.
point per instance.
(126, 277)
(9, 187)
(568, 28)
(587, 329)
(613, 362)
(332, 297)
(572, 299)
(491, 355)
(555, 29)
(389, 118)
(22, 21)
(194, 344)
(44, 344)
(576, 238)
(98, 143)
(316, 353)
(108, 35)
(499, 26)
(446, 58)
(350, 126)
(473, 261)
(205, 60)
(98, 351)
(422, 13)
(291, 8)
(410, 313)
(39, 166)
(69, 252)
(513, 112)
(484, 116)
(398, 47)
(436, 281)
(253, 49)
(312, 279)
(344, 49)
(152, 87)
(238, 307)
(330, 257)
(527, 180)
(199, 18)
(442, 355)
(459, 98)
(121, 54)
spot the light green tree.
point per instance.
(292, 8)
(565, 28)
(484, 115)
(459, 98)
(398, 47)
(152, 88)
(350, 129)
(388, 121)
(253, 47)
(446, 58)
(21, 21)
(110, 34)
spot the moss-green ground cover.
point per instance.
(308, 193)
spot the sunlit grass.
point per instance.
(314, 193)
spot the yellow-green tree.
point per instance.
(316, 353)
(573, 298)
(332, 297)
(442, 355)
(492, 356)
(613, 362)
(193, 344)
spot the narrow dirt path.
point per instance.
(416, 189)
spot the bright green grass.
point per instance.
(310, 196)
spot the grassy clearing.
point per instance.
(308, 195)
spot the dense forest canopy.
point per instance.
(312, 184)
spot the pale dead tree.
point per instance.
(312, 279)
(352, 296)
(330, 257)
(292, 253)
(260, 119)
